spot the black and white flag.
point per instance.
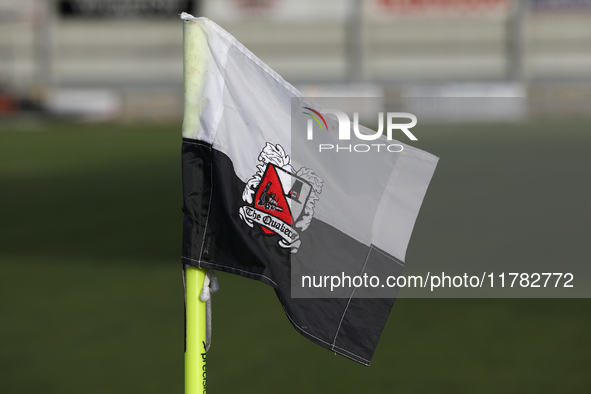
(274, 191)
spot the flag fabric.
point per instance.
(261, 201)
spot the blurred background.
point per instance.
(121, 59)
(91, 102)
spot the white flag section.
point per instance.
(263, 200)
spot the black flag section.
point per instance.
(212, 201)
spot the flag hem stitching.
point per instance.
(208, 205)
(350, 297)
(323, 341)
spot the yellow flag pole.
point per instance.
(194, 62)
(195, 355)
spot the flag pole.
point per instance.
(195, 340)
(194, 43)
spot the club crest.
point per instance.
(280, 199)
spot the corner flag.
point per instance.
(263, 200)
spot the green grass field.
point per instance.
(91, 297)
